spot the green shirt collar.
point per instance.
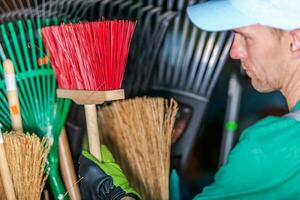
(297, 106)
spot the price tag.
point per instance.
(10, 82)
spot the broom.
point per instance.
(89, 61)
(42, 112)
(138, 131)
(5, 172)
(27, 156)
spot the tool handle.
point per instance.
(12, 96)
(92, 129)
(67, 167)
(54, 178)
(5, 173)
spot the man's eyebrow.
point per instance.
(240, 32)
(235, 31)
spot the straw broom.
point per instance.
(27, 155)
(138, 131)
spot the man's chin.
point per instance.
(261, 88)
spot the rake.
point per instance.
(42, 112)
(42, 10)
(188, 69)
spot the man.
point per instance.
(265, 164)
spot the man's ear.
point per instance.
(295, 43)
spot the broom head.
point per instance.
(89, 56)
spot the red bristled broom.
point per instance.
(89, 61)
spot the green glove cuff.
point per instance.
(111, 168)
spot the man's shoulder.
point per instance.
(265, 157)
(267, 149)
(272, 125)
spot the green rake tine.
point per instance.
(8, 47)
(22, 66)
(24, 103)
(62, 105)
(35, 65)
(51, 100)
(29, 65)
(55, 21)
(24, 44)
(32, 44)
(51, 81)
(5, 120)
(41, 55)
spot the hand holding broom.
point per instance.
(89, 62)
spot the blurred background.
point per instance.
(170, 57)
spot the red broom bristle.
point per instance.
(89, 56)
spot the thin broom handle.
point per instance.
(92, 129)
(12, 96)
(5, 173)
(67, 167)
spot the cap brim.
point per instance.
(218, 16)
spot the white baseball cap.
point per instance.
(222, 15)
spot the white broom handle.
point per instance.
(5, 173)
(12, 96)
(93, 130)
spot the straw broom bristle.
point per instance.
(2, 196)
(26, 156)
(138, 132)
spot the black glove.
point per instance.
(103, 180)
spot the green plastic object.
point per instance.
(42, 112)
(174, 186)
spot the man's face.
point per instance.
(263, 54)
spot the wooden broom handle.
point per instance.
(92, 129)
(67, 167)
(12, 96)
(5, 173)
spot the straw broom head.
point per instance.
(138, 132)
(2, 193)
(26, 155)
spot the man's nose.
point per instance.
(237, 50)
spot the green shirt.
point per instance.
(264, 165)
